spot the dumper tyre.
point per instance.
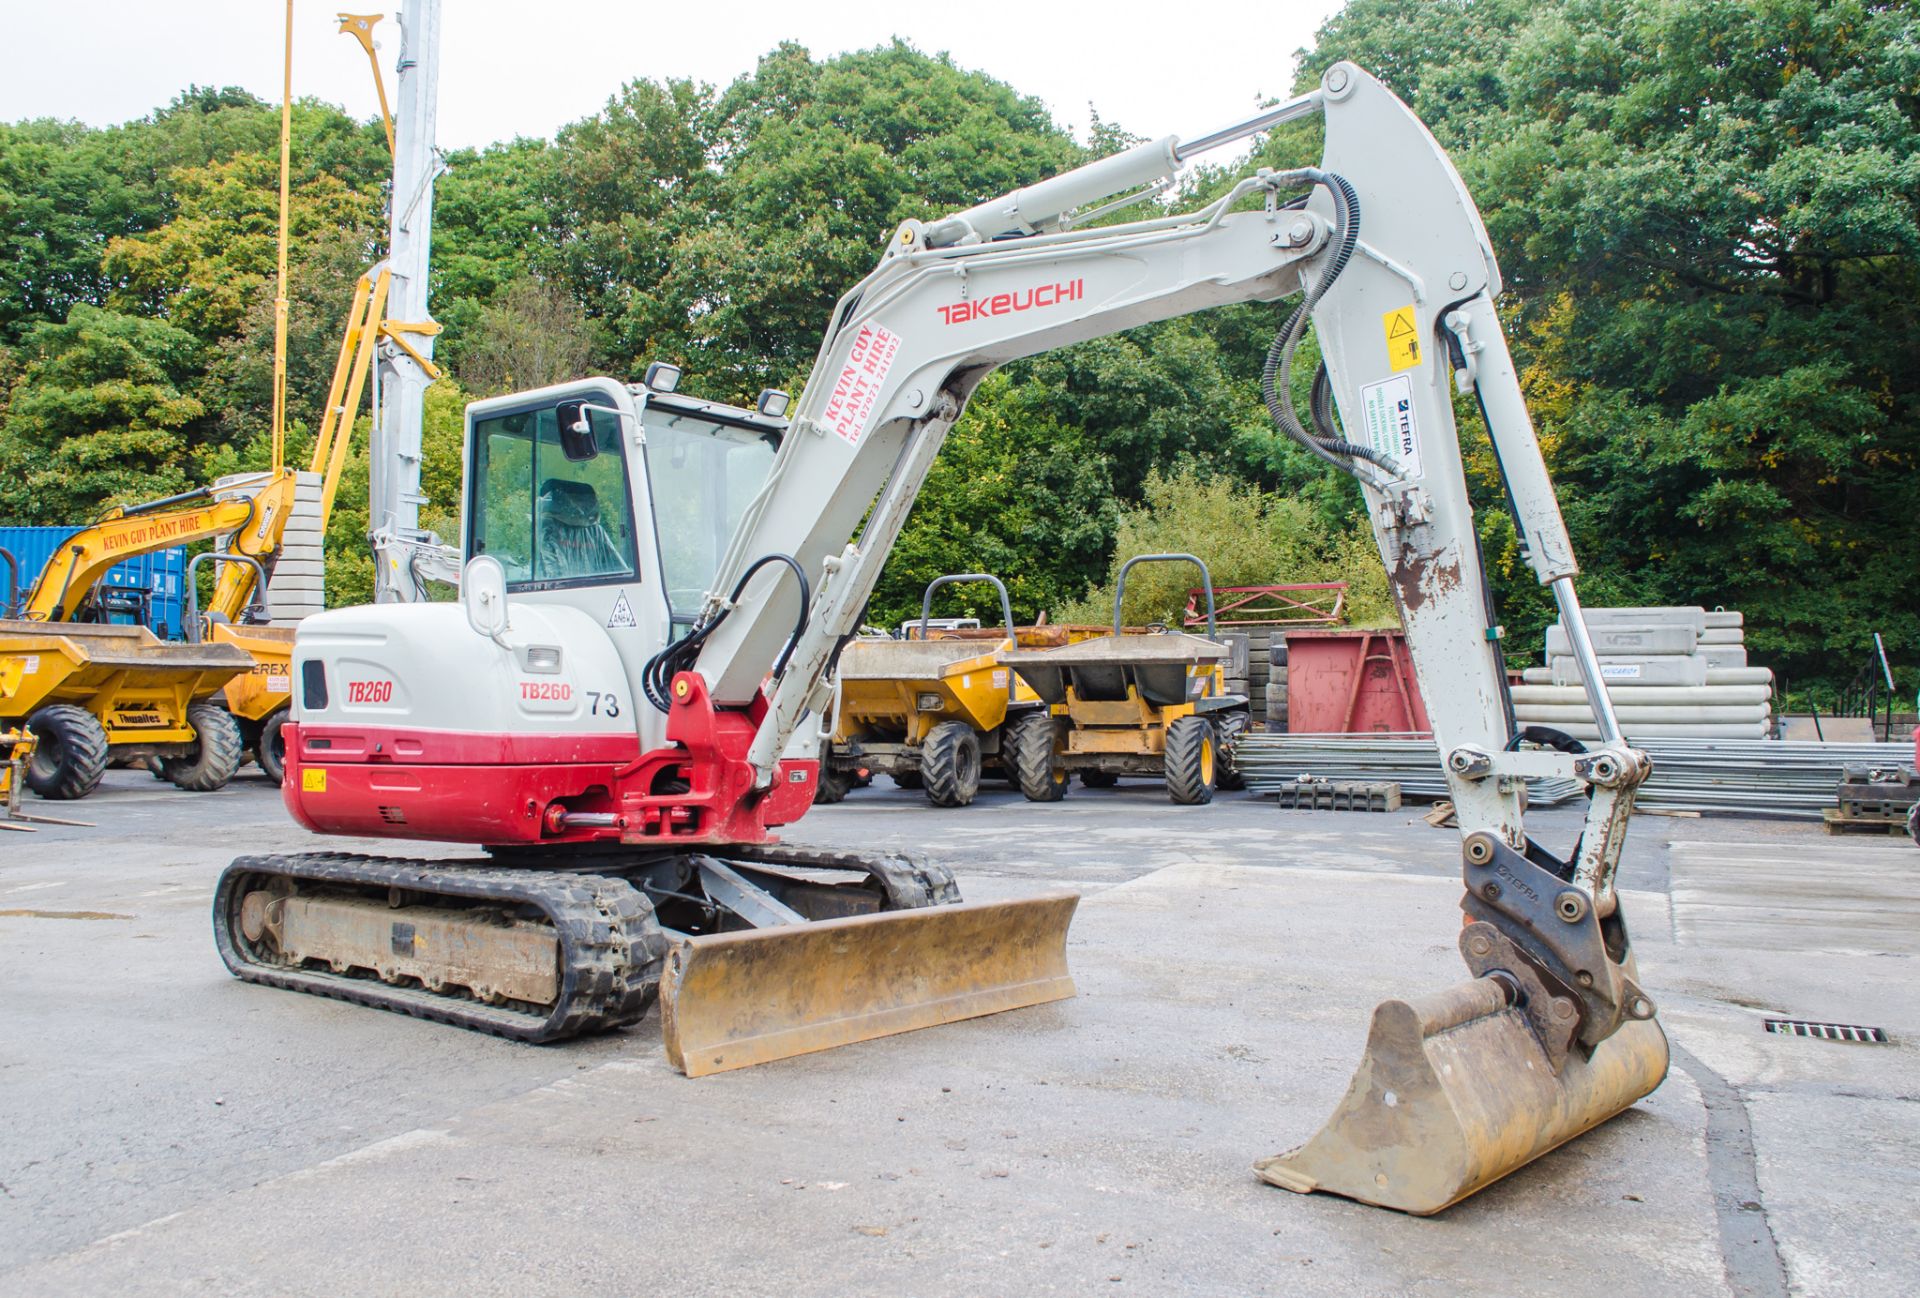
(1099, 779)
(1192, 761)
(216, 752)
(1029, 746)
(69, 754)
(950, 764)
(1228, 728)
(907, 780)
(270, 749)
(831, 787)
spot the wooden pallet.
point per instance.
(1838, 822)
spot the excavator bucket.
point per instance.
(732, 1000)
(1455, 1092)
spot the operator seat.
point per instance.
(573, 543)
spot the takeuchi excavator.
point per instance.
(656, 587)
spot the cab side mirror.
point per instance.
(577, 441)
(483, 593)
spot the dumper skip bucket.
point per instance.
(732, 1000)
(1455, 1092)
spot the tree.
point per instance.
(99, 415)
(1708, 215)
(202, 268)
(57, 210)
(66, 190)
(619, 189)
(531, 335)
(238, 386)
(817, 163)
(491, 222)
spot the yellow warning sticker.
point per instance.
(313, 779)
(1403, 339)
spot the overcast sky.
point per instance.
(529, 68)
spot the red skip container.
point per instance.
(1352, 682)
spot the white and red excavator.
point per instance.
(655, 589)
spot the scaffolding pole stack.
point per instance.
(1756, 777)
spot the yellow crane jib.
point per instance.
(360, 27)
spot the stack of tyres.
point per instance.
(1275, 695)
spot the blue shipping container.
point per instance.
(160, 576)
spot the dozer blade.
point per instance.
(1455, 1092)
(731, 1000)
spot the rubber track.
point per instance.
(908, 881)
(612, 951)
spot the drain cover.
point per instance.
(1827, 1031)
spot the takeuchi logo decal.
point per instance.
(1007, 303)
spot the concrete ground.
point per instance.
(168, 1128)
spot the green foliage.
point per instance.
(816, 163)
(202, 268)
(1246, 537)
(443, 427)
(97, 416)
(617, 191)
(239, 381)
(490, 216)
(529, 336)
(66, 192)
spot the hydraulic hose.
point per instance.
(1276, 375)
(656, 678)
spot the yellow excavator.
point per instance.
(656, 588)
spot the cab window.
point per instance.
(702, 476)
(552, 521)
